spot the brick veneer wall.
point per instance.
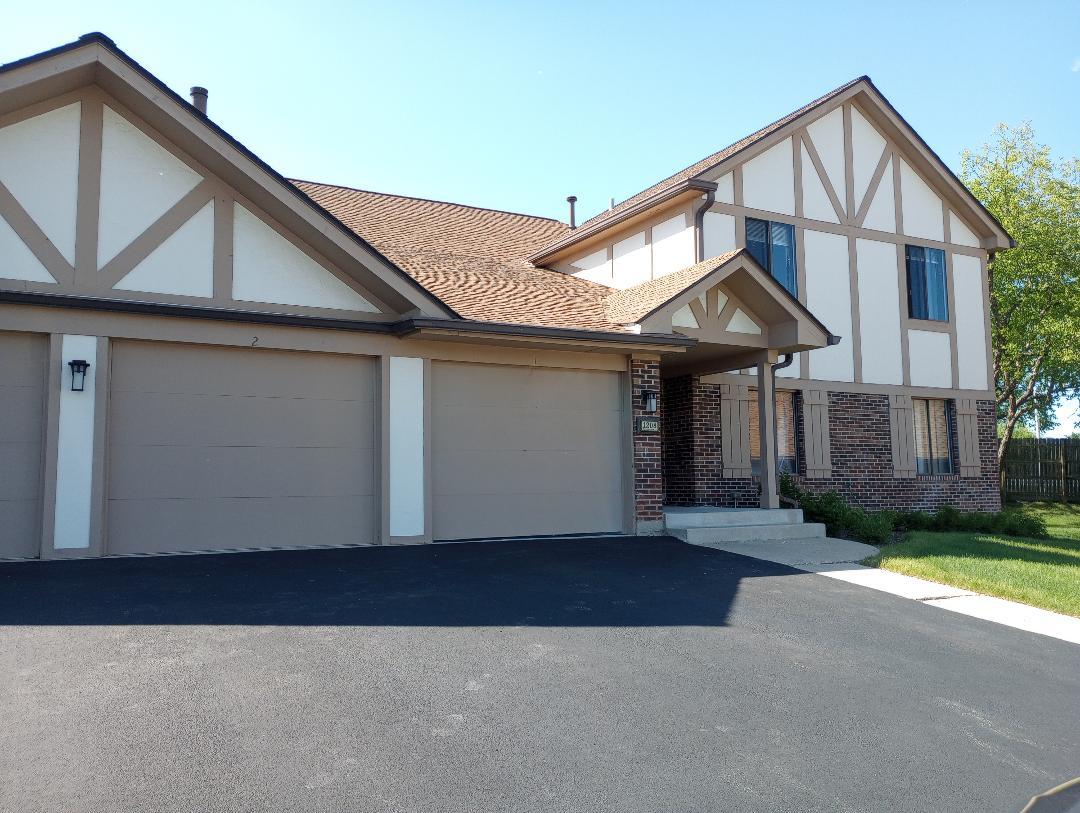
(648, 473)
(692, 455)
(861, 451)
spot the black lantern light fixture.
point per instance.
(78, 374)
(648, 399)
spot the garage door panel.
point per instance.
(146, 367)
(23, 359)
(242, 471)
(163, 526)
(533, 388)
(499, 472)
(179, 419)
(23, 409)
(524, 429)
(519, 451)
(218, 448)
(543, 515)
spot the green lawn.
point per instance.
(1041, 572)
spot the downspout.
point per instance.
(780, 365)
(699, 225)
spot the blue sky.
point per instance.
(515, 105)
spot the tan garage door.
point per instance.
(216, 448)
(22, 416)
(519, 451)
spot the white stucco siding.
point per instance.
(791, 371)
(630, 261)
(879, 312)
(672, 246)
(923, 215)
(827, 135)
(960, 234)
(182, 265)
(930, 358)
(39, 164)
(882, 212)
(719, 234)
(769, 180)
(16, 260)
(828, 297)
(867, 145)
(725, 188)
(268, 268)
(406, 452)
(971, 340)
(75, 446)
(595, 267)
(140, 181)
(816, 202)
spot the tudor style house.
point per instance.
(197, 353)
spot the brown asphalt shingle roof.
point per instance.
(474, 259)
(630, 305)
(470, 258)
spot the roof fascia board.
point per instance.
(582, 233)
(741, 261)
(94, 59)
(117, 73)
(872, 103)
(449, 328)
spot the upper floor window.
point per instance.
(773, 246)
(933, 436)
(928, 294)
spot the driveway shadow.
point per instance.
(641, 581)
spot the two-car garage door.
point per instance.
(214, 448)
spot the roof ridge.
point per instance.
(750, 137)
(430, 200)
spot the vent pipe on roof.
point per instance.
(572, 200)
(611, 204)
(198, 98)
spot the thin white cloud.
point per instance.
(1075, 66)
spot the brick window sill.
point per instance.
(938, 478)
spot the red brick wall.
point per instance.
(693, 473)
(861, 450)
(648, 474)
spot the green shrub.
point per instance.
(844, 520)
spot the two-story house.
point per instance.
(197, 353)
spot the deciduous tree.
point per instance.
(1035, 287)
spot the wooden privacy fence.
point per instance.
(1044, 469)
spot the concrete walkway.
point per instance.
(839, 559)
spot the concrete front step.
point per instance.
(749, 533)
(709, 517)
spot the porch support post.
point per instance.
(766, 392)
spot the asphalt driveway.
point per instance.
(585, 675)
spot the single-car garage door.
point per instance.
(22, 418)
(215, 448)
(520, 451)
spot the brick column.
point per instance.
(648, 475)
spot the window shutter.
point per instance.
(735, 429)
(816, 433)
(967, 437)
(902, 431)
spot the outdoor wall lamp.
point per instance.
(649, 398)
(78, 374)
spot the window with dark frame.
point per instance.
(927, 281)
(933, 436)
(787, 453)
(773, 246)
